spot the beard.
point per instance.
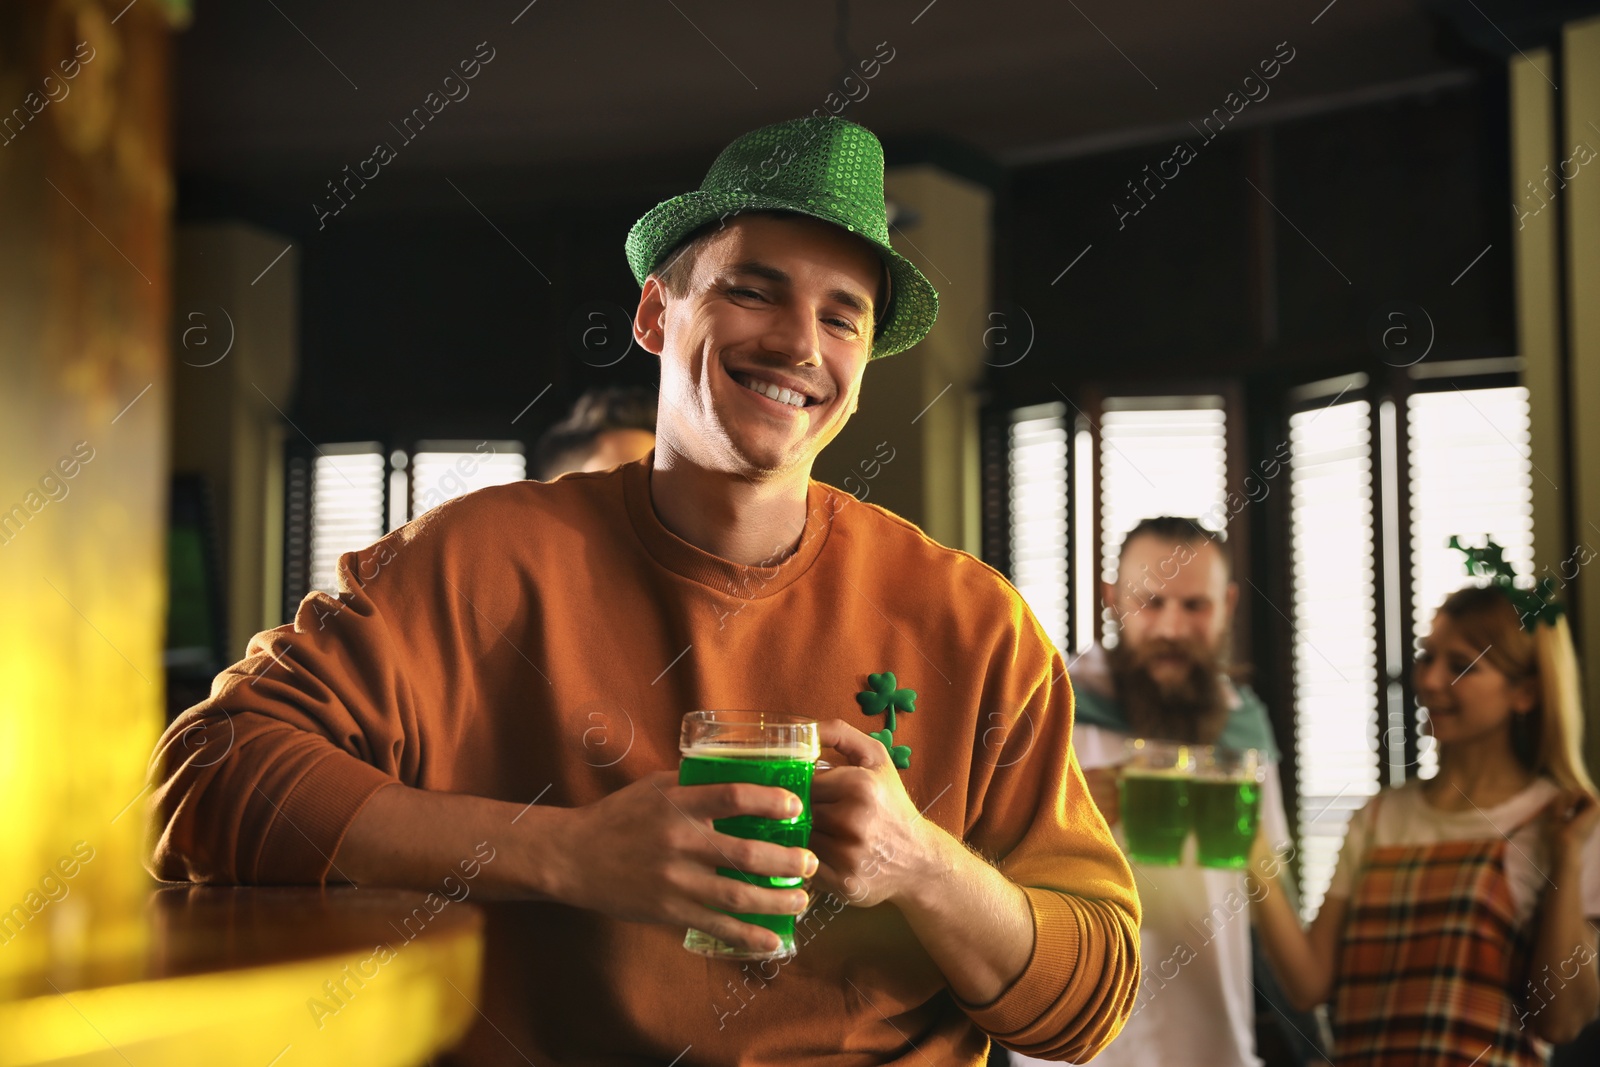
(1192, 708)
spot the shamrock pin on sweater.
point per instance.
(882, 698)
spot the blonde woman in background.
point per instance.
(1460, 924)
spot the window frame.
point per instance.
(299, 519)
(1257, 408)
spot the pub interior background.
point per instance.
(1359, 314)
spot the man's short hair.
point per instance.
(597, 411)
(677, 266)
(1175, 531)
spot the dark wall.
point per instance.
(1403, 199)
(1209, 278)
(443, 327)
(1168, 281)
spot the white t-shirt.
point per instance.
(1196, 1001)
(1404, 817)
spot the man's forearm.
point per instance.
(411, 838)
(974, 922)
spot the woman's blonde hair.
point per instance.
(1486, 618)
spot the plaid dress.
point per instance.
(1432, 962)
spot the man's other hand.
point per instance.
(873, 844)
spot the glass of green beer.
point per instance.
(1225, 804)
(1154, 790)
(768, 749)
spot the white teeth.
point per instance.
(775, 392)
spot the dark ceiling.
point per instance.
(626, 96)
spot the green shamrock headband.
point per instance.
(1533, 605)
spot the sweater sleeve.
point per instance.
(258, 783)
(1035, 817)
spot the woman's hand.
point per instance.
(1564, 944)
(1568, 820)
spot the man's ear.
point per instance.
(649, 321)
(1233, 598)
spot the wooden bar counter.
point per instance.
(263, 977)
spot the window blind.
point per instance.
(1471, 474)
(1039, 515)
(1335, 630)
(441, 470)
(346, 505)
(1159, 455)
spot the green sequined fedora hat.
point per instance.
(825, 167)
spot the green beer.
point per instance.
(1155, 815)
(1225, 814)
(765, 749)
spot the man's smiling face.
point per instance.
(762, 355)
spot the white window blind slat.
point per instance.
(1471, 474)
(346, 506)
(1335, 631)
(1039, 514)
(441, 471)
(1163, 455)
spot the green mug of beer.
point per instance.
(768, 749)
(1225, 804)
(1154, 792)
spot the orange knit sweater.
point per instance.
(543, 640)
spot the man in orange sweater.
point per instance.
(511, 669)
